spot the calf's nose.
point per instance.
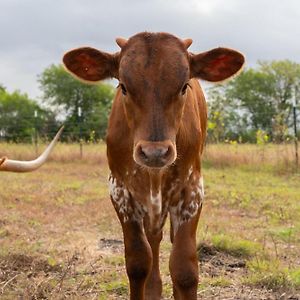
(154, 154)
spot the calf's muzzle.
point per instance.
(154, 154)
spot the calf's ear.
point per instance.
(91, 65)
(216, 65)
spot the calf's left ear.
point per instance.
(216, 65)
(91, 65)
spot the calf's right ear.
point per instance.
(91, 65)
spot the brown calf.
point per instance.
(155, 137)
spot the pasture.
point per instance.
(60, 237)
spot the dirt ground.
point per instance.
(60, 239)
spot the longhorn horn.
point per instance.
(28, 166)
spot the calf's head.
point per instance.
(153, 70)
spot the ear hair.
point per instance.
(91, 65)
(216, 65)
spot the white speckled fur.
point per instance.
(134, 210)
(121, 197)
(181, 213)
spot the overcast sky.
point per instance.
(35, 33)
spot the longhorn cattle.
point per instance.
(155, 138)
(10, 165)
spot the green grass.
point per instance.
(235, 247)
(57, 216)
(272, 275)
(254, 214)
(218, 281)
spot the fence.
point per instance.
(81, 134)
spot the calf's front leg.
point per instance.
(138, 256)
(154, 283)
(183, 261)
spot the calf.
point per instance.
(155, 138)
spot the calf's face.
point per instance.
(153, 75)
(153, 70)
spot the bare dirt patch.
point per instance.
(113, 245)
(224, 272)
(215, 263)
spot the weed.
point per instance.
(250, 212)
(235, 247)
(268, 274)
(295, 277)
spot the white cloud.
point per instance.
(36, 33)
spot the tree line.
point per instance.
(82, 108)
(255, 106)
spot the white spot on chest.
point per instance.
(156, 201)
(156, 216)
(186, 209)
(126, 207)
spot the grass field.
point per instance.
(60, 238)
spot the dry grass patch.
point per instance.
(60, 237)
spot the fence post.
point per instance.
(35, 133)
(295, 129)
(80, 131)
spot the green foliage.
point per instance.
(257, 100)
(261, 137)
(18, 120)
(2, 88)
(66, 95)
(223, 120)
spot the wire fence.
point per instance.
(82, 134)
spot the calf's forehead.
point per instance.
(154, 61)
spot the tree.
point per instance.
(2, 88)
(252, 91)
(262, 99)
(223, 119)
(285, 78)
(18, 121)
(67, 96)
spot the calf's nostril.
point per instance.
(143, 153)
(167, 152)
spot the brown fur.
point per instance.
(155, 138)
